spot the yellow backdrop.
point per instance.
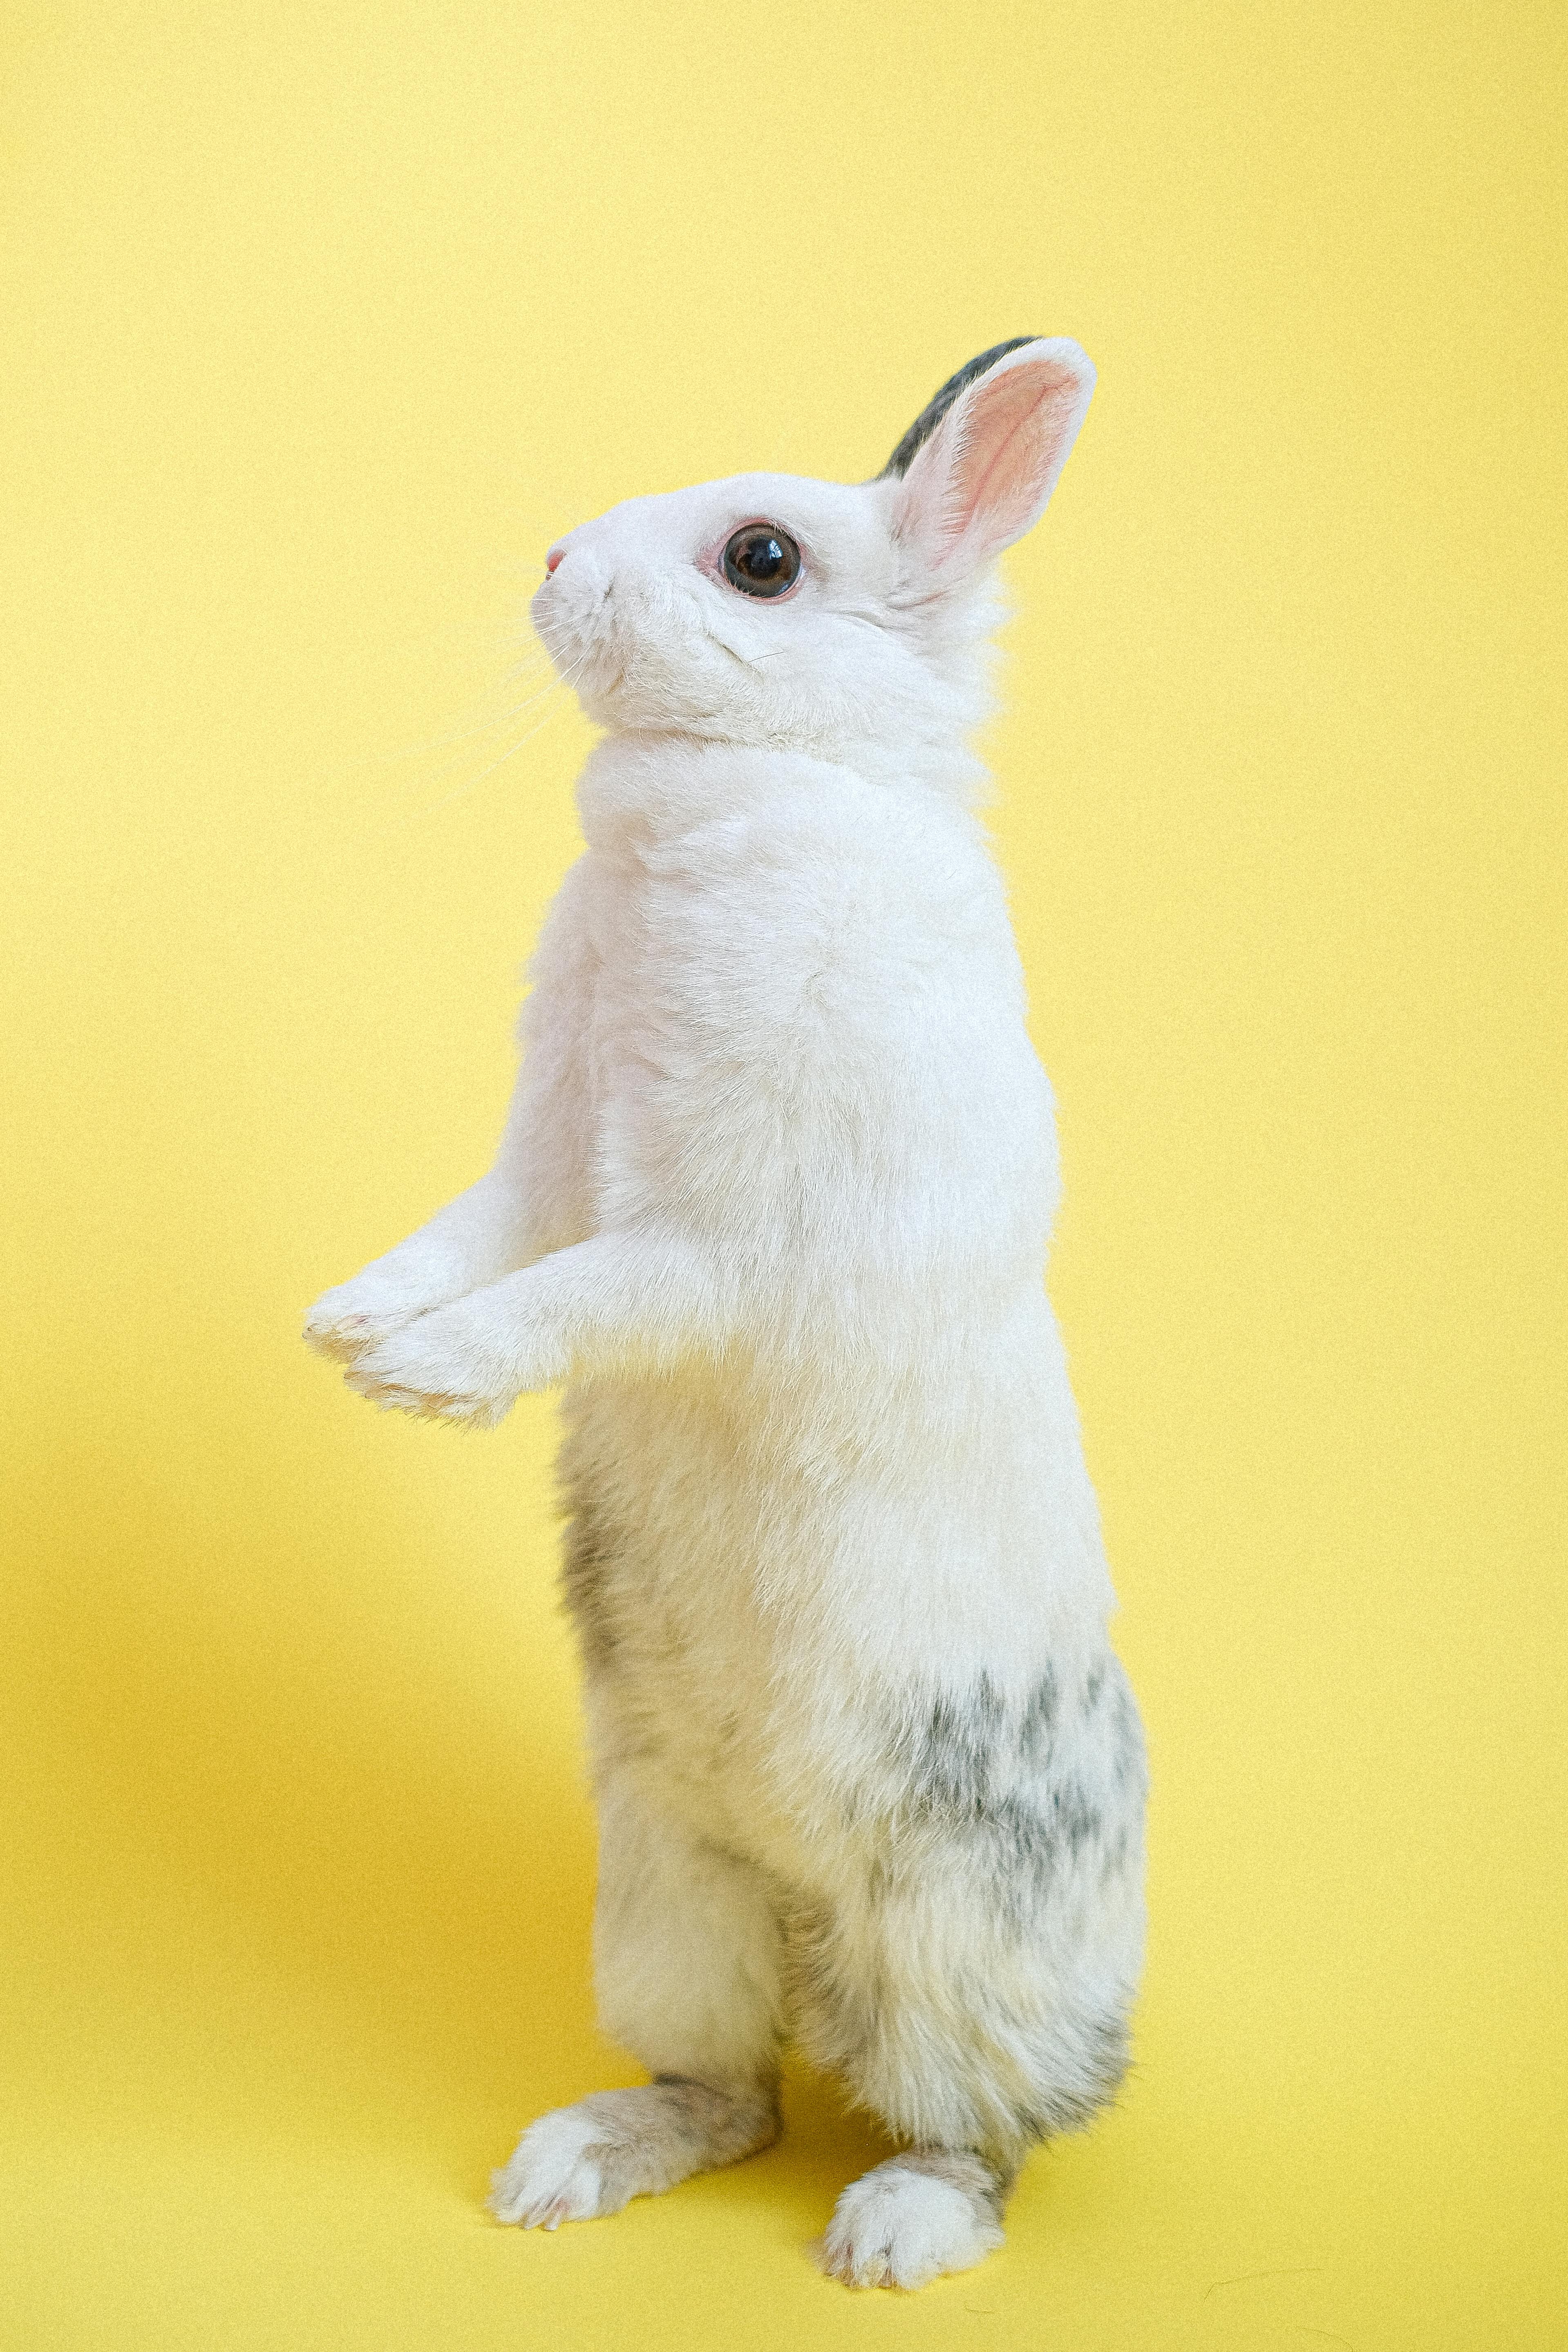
(322, 320)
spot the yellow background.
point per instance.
(320, 323)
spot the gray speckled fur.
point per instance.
(1022, 1793)
(1020, 1810)
(586, 1581)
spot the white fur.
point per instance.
(550, 2176)
(774, 1197)
(895, 2227)
(594, 2157)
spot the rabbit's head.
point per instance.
(820, 616)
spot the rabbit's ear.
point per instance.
(978, 464)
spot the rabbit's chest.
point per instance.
(801, 1013)
(697, 1021)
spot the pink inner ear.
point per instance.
(1015, 441)
(986, 473)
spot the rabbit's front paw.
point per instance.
(346, 1319)
(457, 1363)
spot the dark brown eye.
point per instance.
(762, 561)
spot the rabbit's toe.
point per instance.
(910, 2219)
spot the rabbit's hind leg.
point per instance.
(971, 1981)
(686, 1964)
(593, 2158)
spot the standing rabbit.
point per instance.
(773, 1201)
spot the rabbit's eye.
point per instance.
(762, 561)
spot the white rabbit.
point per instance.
(774, 1199)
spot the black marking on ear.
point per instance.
(936, 408)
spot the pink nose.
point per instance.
(554, 558)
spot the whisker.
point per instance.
(459, 743)
(523, 684)
(449, 736)
(749, 660)
(469, 783)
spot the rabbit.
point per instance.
(773, 1201)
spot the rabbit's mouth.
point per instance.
(589, 661)
(569, 625)
(633, 654)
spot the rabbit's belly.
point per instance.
(760, 1636)
(1013, 1780)
(667, 1575)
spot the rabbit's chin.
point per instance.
(634, 692)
